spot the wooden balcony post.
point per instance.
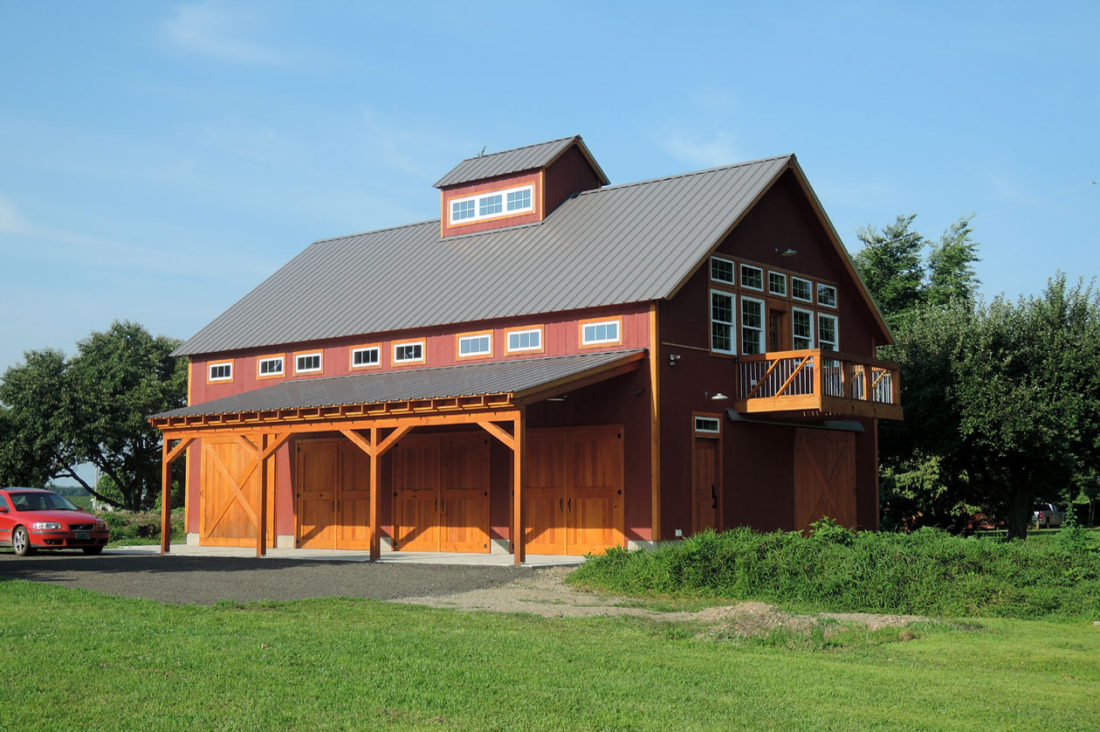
(819, 370)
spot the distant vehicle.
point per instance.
(1047, 515)
(32, 519)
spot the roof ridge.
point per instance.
(376, 231)
(686, 175)
(516, 149)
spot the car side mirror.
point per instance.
(3, 509)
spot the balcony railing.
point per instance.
(821, 382)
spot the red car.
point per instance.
(32, 518)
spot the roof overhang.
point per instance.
(470, 389)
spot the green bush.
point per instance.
(928, 572)
(140, 527)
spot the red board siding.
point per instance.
(567, 175)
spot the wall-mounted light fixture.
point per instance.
(788, 252)
(559, 398)
(673, 358)
(716, 396)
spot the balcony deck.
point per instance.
(818, 383)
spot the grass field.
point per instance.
(76, 659)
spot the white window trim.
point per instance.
(825, 304)
(812, 317)
(733, 270)
(472, 338)
(320, 362)
(508, 340)
(836, 331)
(377, 361)
(760, 331)
(586, 341)
(741, 282)
(785, 292)
(210, 371)
(716, 430)
(504, 210)
(809, 286)
(732, 324)
(260, 367)
(420, 359)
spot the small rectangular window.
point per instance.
(721, 270)
(752, 277)
(408, 352)
(721, 322)
(826, 295)
(708, 425)
(826, 332)
(777, 284)
(752, 326)
(802, 289)
(462, 210)
(480, 344)
(271, 366)
(519, 200)
(365, 356)
(802, 326)
(221, 372)
(489, 205)
(307, 363)
(604, 331)
(525, 340)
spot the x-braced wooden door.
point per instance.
(824, 476)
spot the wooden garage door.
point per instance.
(441, 492)
(574, 492)
(228, 511)
(332, 495)
(824, 476)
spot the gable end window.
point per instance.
(529, 339)
(721, 270)
(408, 352)
(600, 332)
(307, 363)
(802, 289)
(826, 295)
(826, 332)
(721, 322)
(220, 371)
(752, 277)
(477, 344)
(752, 326)
(365, 356)
(270, 367)
(802, 329)
(491, 205)
(777, 284)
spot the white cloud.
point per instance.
(11, 222)
(704, 150)
(220, 31)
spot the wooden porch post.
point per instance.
(375, 496)
(261, 530)
(519, 478)
(165, 498)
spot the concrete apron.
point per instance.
(342, 555)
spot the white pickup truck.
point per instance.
(1047, 515)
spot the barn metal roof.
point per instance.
(620, 244)
(530, 157)
(514, 377)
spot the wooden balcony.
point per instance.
(817, 383)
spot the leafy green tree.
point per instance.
(892, 267)
(93, 409)
(951, 274)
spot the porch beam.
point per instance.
(499, 433)
(168, 456)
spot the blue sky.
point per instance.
(158, 160)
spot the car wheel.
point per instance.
(91, 549)
(21, 541)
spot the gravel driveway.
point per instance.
(205, 580)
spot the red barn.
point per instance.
(556, 365)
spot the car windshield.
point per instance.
(41, 502)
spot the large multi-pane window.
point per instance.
(525, 340)
(752, 277)
(606, 331)
(721, 270)
(802, 329)
(826, 332)
(494, 204)
(752, 326)
(272, 366)
(721, 322)
(519, 200)
(475, 345)
(408, 352)
(365, 356)
(489, 205)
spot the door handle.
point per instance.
(436, 504)
(561, 504)
(443, 505)
(569, 505)
(713, 497)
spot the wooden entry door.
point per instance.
(574, 492)
(441, 493)
(705, 485)
(824, 477)
(331, 495)
(229, 513)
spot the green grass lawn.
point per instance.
(79, 660)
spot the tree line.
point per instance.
(1001, 397)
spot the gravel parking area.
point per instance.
(206, 580)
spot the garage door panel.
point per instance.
(544, 495)
(225, 519)
(318, 476)
(824, 477)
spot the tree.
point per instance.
(951, 274)
(93, 409)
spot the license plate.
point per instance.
(82, 535)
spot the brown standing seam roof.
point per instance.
(531, 157)
(496, 377)
(620, 244)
